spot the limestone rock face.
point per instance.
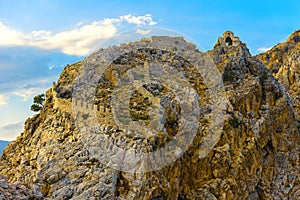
(256, 155)
(283, 61)
(14, 191)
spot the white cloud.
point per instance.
(77, 41)
(11, 132)
(3, 99)
(263, 49)
(10, 37)
(139, 20)
(36, 86)
(51, 67)
(39, 35)
(143, 32)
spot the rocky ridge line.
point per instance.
(257, 156)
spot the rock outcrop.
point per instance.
(283, 61)
(255, 155)
(14, 191)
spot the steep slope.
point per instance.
(283, 61)
(256, 155)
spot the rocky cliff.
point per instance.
(283, 60)
(250, 152)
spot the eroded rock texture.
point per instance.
(257, 156)
(283, 61)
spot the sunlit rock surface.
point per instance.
(256, 155)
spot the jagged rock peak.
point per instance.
(229, 46)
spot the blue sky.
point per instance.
(39, 37)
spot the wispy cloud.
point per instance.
(11, 131)
(26, 91)
(263, 49)
(143, 32)
(21, 65)
(25, 94)
(3, 99)
(139, 20)
(78, 41)
(51, 67)
(34, 87)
